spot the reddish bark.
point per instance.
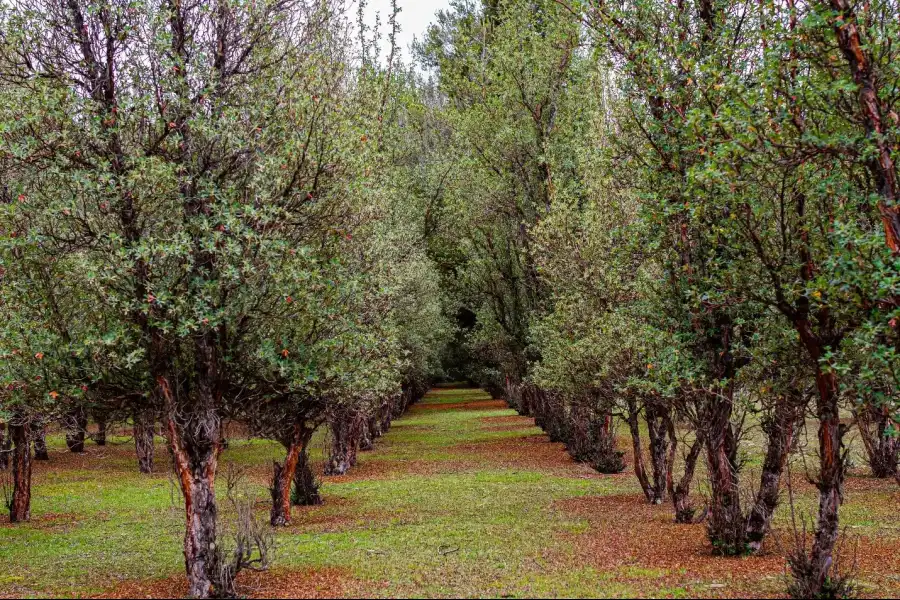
(831, 476)
(881, 165)
(20, 506)
(195, 454)
(283, 476)
(726, 519)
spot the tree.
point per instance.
(162, 162)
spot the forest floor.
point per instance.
(462, 498)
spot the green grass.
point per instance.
(465, 526)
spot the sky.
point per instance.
(415, 16)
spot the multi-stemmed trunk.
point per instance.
(306, 487)
(144, 423)
(387, 416)
(20, 503)
(882, 448)
(606, 459)
(726, 524)
(831, 477)
(76, 428)
(663, 453)
(780, 429)
(681, 492)
(654, 490)
(193, 434)
(284, 474)
(357, 425)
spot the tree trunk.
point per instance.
(338, 462)
(375, 424)
(384, 424)
(5, 447)
(780, 430)
(681, 493)
(726, 520)
(356, 433)
(39, 439)
(193, 433)
(871, 112)
(882, 449)
(20, 506)
(143, 440)
(659, 451)
(282, 477)
(76, 427)
(366, 438)
(606, 459)
(640, 468)
(306, 488)
(831, 478)
(100, 436)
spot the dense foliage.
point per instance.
(681, 216)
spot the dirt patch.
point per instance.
(335, 515)
(506, 423)
(52, 522)
(313, 583)
(502, 428)
(474, 405)
(644, 548)
(534, 452)
(508, 420)
(112, 458)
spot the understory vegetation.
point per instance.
(667, 232)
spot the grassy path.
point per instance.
(461, 498)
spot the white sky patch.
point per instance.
(415, 16)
